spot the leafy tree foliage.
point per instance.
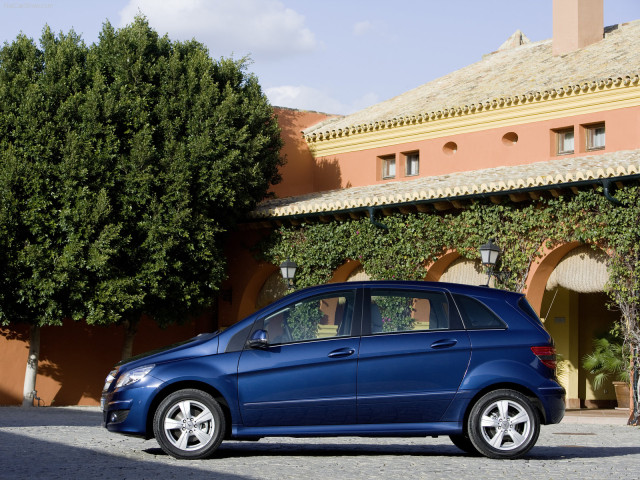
(122, 165)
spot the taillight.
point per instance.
(547, 355)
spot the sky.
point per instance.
(328, 56)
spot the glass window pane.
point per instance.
(565, 142)
(412, 164)
(476, 315)
(311, 319)
(596, 138)
(400, 311)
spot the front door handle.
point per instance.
(342, 352)
(444, 343)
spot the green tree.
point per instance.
(122, 166)
(188, 145)
(40, 91)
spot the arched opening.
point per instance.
(574, 311)
(466, 271)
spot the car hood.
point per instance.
(203, 344)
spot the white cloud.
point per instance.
(362, 28)
(302, 97)
(262, 28)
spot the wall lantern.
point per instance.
(489, 252)
(288, 270)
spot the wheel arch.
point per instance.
(182, 385)
(535, 401)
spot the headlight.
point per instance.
(110, 378)
(133, 376)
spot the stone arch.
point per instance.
(466, 271)
(344, 271)
(566, 286)
(437, 268)
(541, 270)
(252, 290)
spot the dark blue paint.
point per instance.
(401, 384)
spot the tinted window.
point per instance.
(403, 311)
(323, 316)
(526, 307)
(477, 315)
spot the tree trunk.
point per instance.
(29, 390)
(130, 330)
(634, 418)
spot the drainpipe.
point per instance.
(374, 221)
(606, 185)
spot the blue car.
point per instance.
(402, 359)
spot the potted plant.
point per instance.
(610, 360)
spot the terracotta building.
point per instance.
(530, 119)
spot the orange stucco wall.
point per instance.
(75, 358)
(300, 171)
(485, 149)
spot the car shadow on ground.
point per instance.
(26, 457)
(257, 449)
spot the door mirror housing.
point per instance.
(258, 339)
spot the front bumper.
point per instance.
(126, 410)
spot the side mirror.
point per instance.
(258, 339)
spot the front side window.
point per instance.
(412, 164)
(389, 167)
(565, 142)
(405, 311)
(314, 318)
(595, 137)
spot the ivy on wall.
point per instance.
(414, 240)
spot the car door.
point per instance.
(413, 355)
(306, 375)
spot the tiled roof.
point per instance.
(491, 181)
(524, 70)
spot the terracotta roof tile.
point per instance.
(529, 69)
(460, 184)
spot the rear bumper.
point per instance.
(553, 402)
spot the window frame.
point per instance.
(385, 161)
(408, 156)
(560, 141)
(589, 131)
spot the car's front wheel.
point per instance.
(189, 424)
(503, 424)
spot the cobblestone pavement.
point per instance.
(69, 443)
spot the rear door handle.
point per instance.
(342, 352)
(444, 343)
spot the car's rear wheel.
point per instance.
(189, 424)
(503, 424)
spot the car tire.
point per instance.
(189, 424)
(503, 424)
(464, 443)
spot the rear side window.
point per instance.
(476, 315)
(405, 311)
